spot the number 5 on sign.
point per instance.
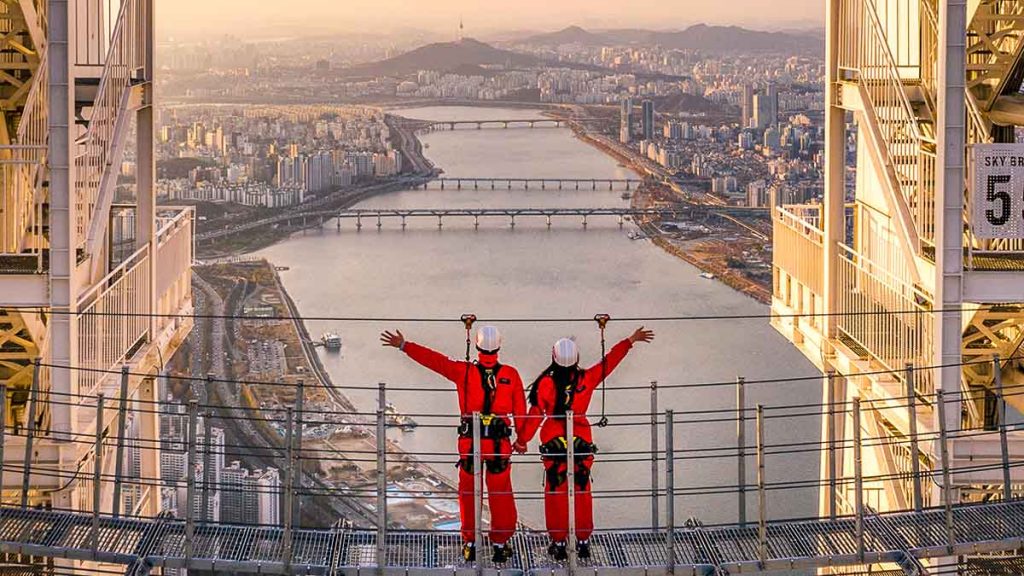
(997, 191)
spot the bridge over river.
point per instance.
(584, 215)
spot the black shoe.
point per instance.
(468, 552)
(502, 553)
(583, 549)
(557, 551)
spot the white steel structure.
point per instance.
(893, 274)
(76, 97)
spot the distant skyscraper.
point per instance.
(748, 105)
(648, 120)
(626, 122)
(764, 112)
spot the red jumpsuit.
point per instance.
(556, 501)
(507, 400)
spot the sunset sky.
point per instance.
(481, 16)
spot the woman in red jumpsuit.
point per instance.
(496, 392)
(565, 386)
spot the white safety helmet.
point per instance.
(488, 339)
(565, 353)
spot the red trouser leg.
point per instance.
(466, 512)
(556, 505)
(585, 505)
(500, 496)
(499, 493)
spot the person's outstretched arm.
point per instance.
(430, 359)
(615, 356)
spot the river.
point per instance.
(531, 271)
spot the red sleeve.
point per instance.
(518, 403)
(539, 412)
(451, 369)
(593, 375)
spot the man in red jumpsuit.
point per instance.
(496, 392)
(565, 386)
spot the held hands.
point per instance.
(641, 335)
(519, 447)
(395, 340)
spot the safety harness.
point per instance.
(556, 452)
(491, 427)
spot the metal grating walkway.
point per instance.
(141, 544)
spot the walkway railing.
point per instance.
(798, 247)
(174, 257)
(110, 326)
(194, 540)
(113, 317)
(21, 219)
(871, 299)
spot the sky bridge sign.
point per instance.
(997, 191)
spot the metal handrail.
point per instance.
(125, 56)
(866, 51)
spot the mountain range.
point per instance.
(698, 37)
(445, 56)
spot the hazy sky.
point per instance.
(481, 16)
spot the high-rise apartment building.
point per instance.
(748, 105)
(648, 120)
(626, 122)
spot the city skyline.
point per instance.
(188, 17)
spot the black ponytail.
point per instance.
(565, 381)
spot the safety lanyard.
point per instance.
(467, 321)
(602, 323)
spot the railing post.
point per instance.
(190, 479)
(947, 488)
(570, 479)
(289, 443)
(300, 406)
(655, 515)
(26, 471)
(122, 422)
(741, 449)
(97, 471)
(478, 495)
(1004, 448)
(670, 488)
(915, 454)
(762, 504)
(833, 491)
(382, 480)
(3, 436)
(858, 480)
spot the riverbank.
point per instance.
(271, 357)
(721, 253)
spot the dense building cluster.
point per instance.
(271, 156)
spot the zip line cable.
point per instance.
(730, 383)
(511, 320)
